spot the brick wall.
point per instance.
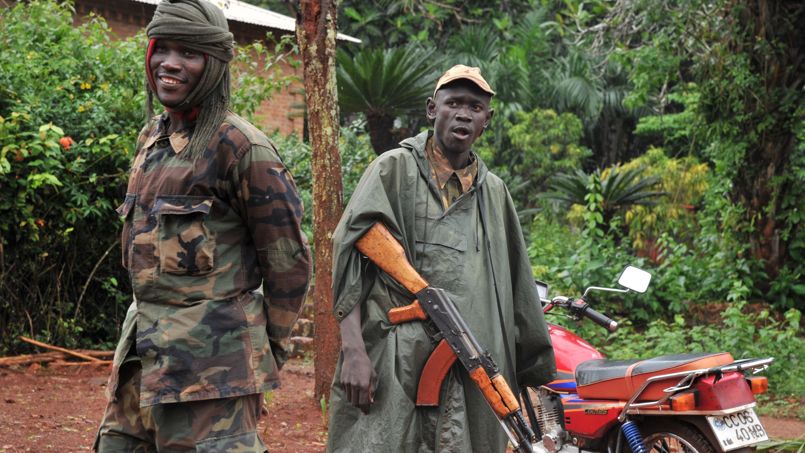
(283, 111)
(280, 113)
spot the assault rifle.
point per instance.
(454, 337)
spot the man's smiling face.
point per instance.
(459, 113)
(175, 70)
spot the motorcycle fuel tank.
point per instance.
(569, 350)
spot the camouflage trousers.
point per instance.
(210, 426)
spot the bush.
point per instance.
(536, 146)
(70, 76)
(69, 114)
(683, 181)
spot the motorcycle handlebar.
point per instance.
(601, 319)
(581, 307)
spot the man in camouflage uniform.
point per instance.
(211, 216)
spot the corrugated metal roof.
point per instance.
(243, 12)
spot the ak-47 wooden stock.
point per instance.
(457, 342)
(380, 246)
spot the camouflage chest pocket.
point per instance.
(184, 243)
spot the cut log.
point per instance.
(31, 358)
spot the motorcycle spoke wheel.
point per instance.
(668, 443)
(673, 437)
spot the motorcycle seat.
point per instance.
(620, 379)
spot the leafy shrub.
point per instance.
(570, 261)
(255, 74)
(684, 182)
(542, 143)
(69, 114)
(674, 129)
(70, 76)
(610, 192)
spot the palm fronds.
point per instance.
(386, 80)
(619, 188)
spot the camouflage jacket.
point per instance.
(199, 239)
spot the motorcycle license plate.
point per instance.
(738, 429)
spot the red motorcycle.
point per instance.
(690, 402)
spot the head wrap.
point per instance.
(201, 26)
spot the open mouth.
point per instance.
(168, 80)
(461, 132)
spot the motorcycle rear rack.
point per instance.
(688, 379)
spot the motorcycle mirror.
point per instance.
(542, 289)
(634, 279)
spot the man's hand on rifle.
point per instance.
(358, 377)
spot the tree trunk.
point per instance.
(380, 131)
(316, 32)
(772, 40)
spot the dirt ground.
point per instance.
(58, 410)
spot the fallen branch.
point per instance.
(66, 363)
(46, 357)
(56, 348)
(97, 353)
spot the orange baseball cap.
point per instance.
(460, 71)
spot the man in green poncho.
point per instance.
(459, 228)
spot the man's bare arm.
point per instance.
(358, 377)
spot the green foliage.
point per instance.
(68, 75)
(476, 45)
(542, 143)
(570, 261)
(392, 81)
(356, 155)
(675, 130)
(578, 86)
(742, 333)
(788, 288)
(61, 181)
(743, 115)
(545, 143)
(70, 113)
(258, 73)
(684, 182)
(777, 446)
(393, 23)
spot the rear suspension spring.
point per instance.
(632, 434)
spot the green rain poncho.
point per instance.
(449, 248)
